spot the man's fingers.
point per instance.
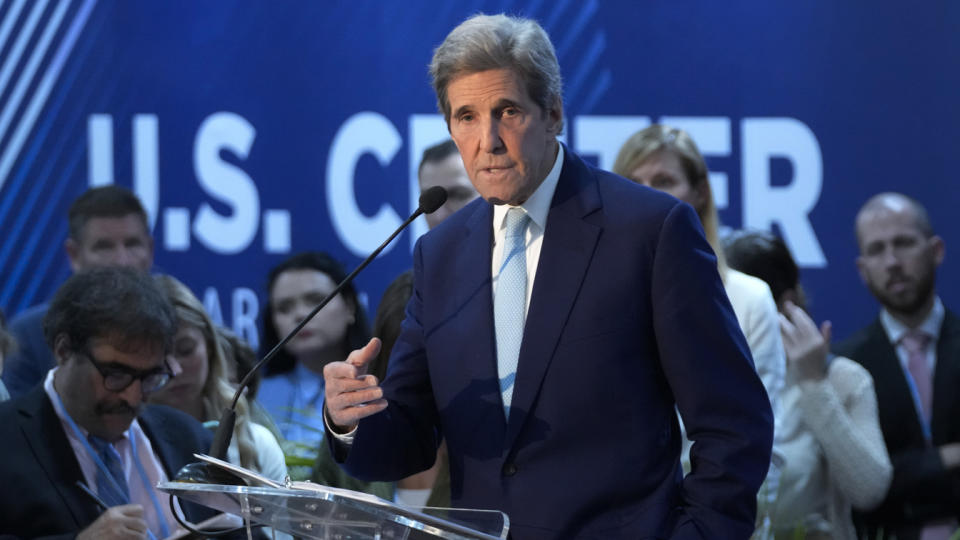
(354, 398)
(351, 416)
(361, 358)
(826, 330)
(127, 510)
(351, 394)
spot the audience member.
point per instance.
(667, 159)
(107, 227)
(830, 436)
(912, 350)
(203, 389)
(110, 330)
(441, 165)
(292, 390)
(554, 380)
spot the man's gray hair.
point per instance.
(485, 42)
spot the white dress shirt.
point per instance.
(537, 207)
(931, 326)
(139, 493)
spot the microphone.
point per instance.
(430, 201)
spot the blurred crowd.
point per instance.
(866, 438)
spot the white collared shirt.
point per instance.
(930, 326)
(148, 459)
(537, 207)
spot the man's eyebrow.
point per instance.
(461, 110)
(503, 103)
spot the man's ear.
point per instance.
(61, 349)
(939, 249)
(555, 117)
(73, 253)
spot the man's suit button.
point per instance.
(509, 469)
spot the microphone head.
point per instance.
(432, 199)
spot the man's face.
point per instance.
(102, 412)
(897, 261)
(112, 241)
(449, 174)
(508, 143)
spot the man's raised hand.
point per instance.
(352, 394)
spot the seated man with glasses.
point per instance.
(88, 424)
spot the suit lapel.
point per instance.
(43, 431)
(153, 427)
(473, 268)
(568, 245)
(946, 380)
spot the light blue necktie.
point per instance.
(510, 301)
(107, 489)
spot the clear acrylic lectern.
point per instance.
(315, 511)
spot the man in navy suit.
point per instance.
(555, 325)
(912, 350)
(110, 330)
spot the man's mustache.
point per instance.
(119, 407)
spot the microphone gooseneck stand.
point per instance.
(204, 473)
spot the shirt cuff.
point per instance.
(344, 438)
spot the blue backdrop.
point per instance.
(255, 129)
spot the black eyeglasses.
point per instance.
(118, 378)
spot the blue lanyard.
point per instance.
(164, 528)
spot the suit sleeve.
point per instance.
(409, 424)
(31, 360)
(709, 369)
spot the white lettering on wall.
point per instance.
(786, 205)
(602, 136)
(363, 133)
(245, 308)
(225, 131)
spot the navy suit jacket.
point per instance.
(39, 470)
(921, 489)
(628, 319)
(32, 359)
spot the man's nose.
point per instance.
(491, 141)
(123, 257)
(890, 258)
(133, 394)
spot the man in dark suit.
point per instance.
(555, 325)
(107, 227)
(912, 350)
(110, 330)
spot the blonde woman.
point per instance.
(667, 159)
(203, 389)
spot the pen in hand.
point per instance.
(96, 498)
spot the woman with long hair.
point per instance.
(292, 389)
(203, 389)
